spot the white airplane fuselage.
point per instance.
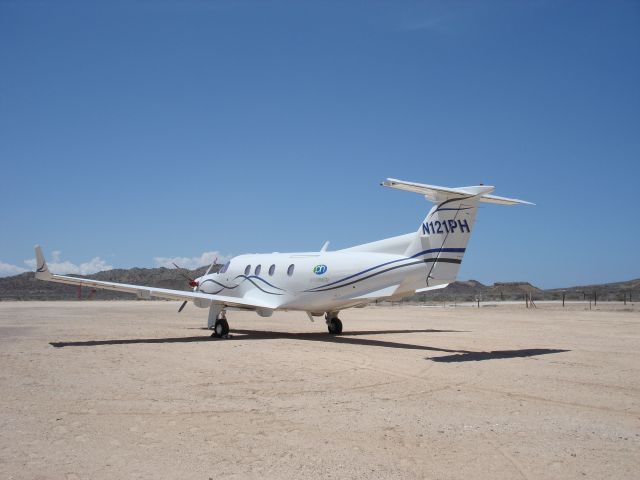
(314, 281)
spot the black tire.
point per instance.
(335, 326)
(221, 328)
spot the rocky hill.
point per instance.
(471, 290)
(606, 290)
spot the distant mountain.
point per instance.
(470, 290)
(26, 287)
(605, 288)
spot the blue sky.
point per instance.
(136, 132)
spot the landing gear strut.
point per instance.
(334, 324)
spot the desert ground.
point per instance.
(103, 390)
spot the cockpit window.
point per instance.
(247, 270)
(224, 268)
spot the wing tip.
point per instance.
(42, 270)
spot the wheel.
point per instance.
(221, 328)
(335, 326)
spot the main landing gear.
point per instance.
(333, 323)
(218, 322)
(221, 328)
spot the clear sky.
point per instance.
(139, 131)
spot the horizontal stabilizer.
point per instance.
(428, 289)
(438, 194)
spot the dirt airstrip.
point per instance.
(103, 390)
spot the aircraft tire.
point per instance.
(335, 326)
(221, 328)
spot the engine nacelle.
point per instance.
(202, 302)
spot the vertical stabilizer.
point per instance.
(442, 238)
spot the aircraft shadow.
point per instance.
(496, 354)
(239, 334)
(347, 338)
(127, 341)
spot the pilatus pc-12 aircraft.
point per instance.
(324, 282)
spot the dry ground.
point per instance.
(104, 390)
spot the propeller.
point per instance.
(192, 281)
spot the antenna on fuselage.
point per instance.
(215, 260)
(325, 246)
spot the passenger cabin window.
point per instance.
(224, 268)
(290, 269)
(258, 268)
(247, 270)
(272, 270)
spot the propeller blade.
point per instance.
(182, 306)
(215, 260)
(181, 272)
(192, 281)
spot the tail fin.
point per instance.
(442, 238)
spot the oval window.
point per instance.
(247, 270)
(290, 269)
(272, 270)
(258, 268)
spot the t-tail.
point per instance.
(442, 238)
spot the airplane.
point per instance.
(323, 283)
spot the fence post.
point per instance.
(563, 298)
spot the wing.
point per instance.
(43, 273)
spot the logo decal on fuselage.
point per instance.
(320, 269)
